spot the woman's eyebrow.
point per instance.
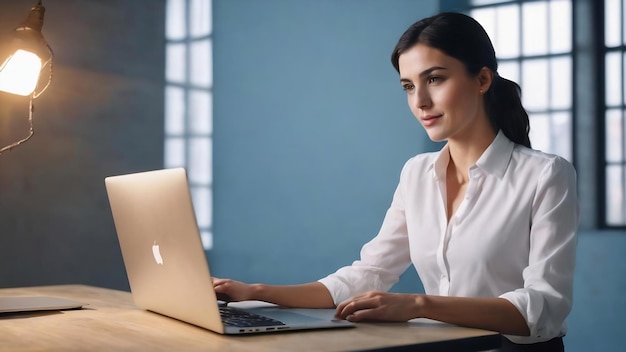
(424, 73)
(430, 70)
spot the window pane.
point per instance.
(174, 111)
(615, 195)
(507, 28)
(200, 160)
(200, 18)
(614, 136)
(561, 132)
(509, 70)
(535, 28)
(203, 206)
(613, 79)
(175, 63)
(561, 82)
(612, 24)
(623, 77)
(175, 19)
(200, 112)
(560, 26)
(487, 18)
(201, 63)
(623, 31)
(174, 152)
(207, 239)
(540, 131)
(535, 84)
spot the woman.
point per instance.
(489, 224)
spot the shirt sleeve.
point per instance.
(546, 299)
(382, 260)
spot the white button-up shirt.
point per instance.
(513, 235)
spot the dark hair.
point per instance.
(460, 36)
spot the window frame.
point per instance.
(602, 110)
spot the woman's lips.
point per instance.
(430, 120)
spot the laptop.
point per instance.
(21, 304)
(166, 264)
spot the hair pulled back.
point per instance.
(460, 36)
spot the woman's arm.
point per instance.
(310, 295)
(495, 314)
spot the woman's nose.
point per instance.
(421, 98)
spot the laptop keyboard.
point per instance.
(235, 317)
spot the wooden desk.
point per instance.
(110, 321)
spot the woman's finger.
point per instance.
(354, 306)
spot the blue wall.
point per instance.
(596, 322)
(311, 131)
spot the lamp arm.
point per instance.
(31, 108)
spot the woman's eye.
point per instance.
(408, 87)
(433, 79)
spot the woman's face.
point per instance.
(442, 95)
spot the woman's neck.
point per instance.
(465, 152)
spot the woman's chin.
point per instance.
(435, 137)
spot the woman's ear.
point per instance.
(485, 78)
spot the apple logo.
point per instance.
(157, 254)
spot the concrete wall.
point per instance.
(102, 114)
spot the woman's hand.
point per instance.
(380, 306)
(232, 291)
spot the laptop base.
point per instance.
(19, 304)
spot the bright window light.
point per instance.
(615, 113)
(533, 43)
(189, 103)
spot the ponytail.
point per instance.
(504, 107)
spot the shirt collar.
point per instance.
(494, 159)
(440, 164)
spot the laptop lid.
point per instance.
(165, 262)
(161, 247)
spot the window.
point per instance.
(614, 113)
(188, 102)
(533, 42)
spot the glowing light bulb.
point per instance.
(19, 74)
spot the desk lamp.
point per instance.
(23, 59)
(22, 62)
